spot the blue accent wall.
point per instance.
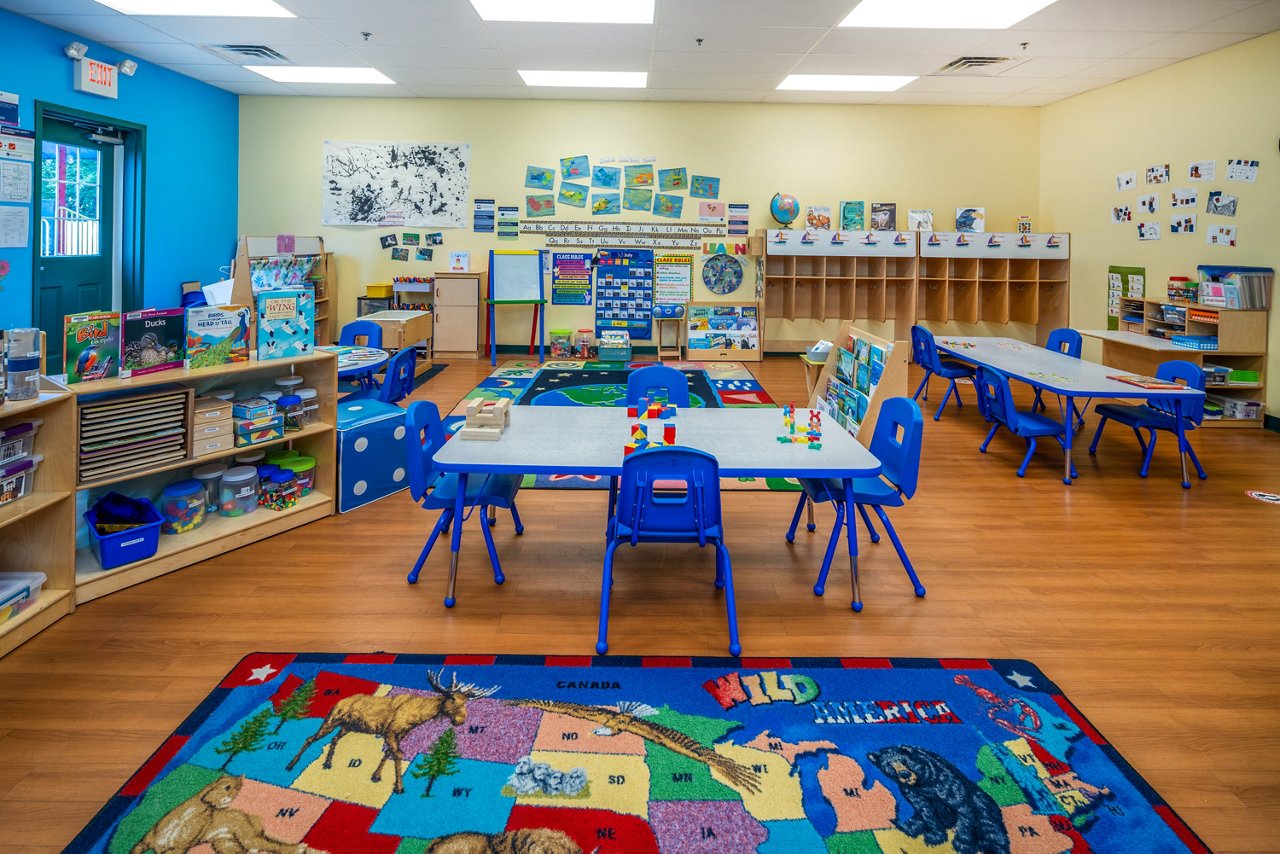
(192, 159)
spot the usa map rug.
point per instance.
(400, 754)
(578, 383)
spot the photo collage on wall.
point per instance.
(859, 367)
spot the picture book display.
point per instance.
(286, 323)
(154, 340)
(92, 346)
(722, 327)
(860, 364)
(217, 335)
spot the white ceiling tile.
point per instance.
(739, 39)
(972, 85)
(215, 72)
(833, 63)
(1256, 20)
(1049, 66)
(475, 77)
(699, 60)
(351, 90)
(406, 57)
(1102, 45)
(389, 11)
(711, 81)
(561, 93)
(265, 87)
(560, 39)
(1028, 99)
(1130, 15)
(793, 97)
(1073, 85)
(854, 41)
(424, 35)
(753, 13)
(719, 96)
(273, 32)
(1187, 45)
(107, 28)
(318, 54)
(520, 92)
(587, 60)
(34, 8)
(1123, 67)
(165, 54)
(957, 99)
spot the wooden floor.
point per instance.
(1156, 609)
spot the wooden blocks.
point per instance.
(486, 419)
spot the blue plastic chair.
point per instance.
(1068, 342)
(436, 490)
(996, 402)
(350, 337)
(669, 495)
(896, 443)
(1158, 414)
(925, 353)
(644, 381)
(398, 383)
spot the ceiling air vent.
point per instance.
(977, 66)
(257, 54)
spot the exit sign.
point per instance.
(97, 78)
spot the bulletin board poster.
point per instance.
(723, 327)
(571, 278)
(624, 292)
(672, 279)
(1124, 283)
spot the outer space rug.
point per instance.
(579, 383)
(400, 754)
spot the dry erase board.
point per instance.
(515, 276)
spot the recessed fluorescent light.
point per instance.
(203, 8)
(943, 14)
(320, 74)
(592, 79)
(844, 82)
(567, 11)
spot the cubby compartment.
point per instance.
(963, 269)
(1055, 270)
(963, 296)
(1024, 303)
(994, 269)
(934, 268)
(1024, 270)
(870, 267)
(839, 299)
(931, 302)
(811, 266)
(842, 267)
(809, 298)
(993, 301)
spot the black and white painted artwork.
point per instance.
(396, 183)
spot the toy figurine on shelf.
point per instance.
(486, 419)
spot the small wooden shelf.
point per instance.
(14, 408)
(22, 508)
(218, 374)
(54, 604)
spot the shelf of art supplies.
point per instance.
(837, 275)
(37, 530)
(265, 256)
(995, 278)
(218, 534)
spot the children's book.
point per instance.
(153, 340)
(884, 216)
(217, 335)
(92, 346)
(286, 323)
(1146, 382)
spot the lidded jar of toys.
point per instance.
(238, 493)
(583, 343)
(280, 492)
(182, 506)
(561, 341)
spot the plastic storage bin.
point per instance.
(238, 492)
(310, 406)
(18, 478)
(210, 478)
(18, 592)
(561, 342)
(304, 468)
(16, 440)
(583, 343)
(288, 383)
(280, 492)
(135, 544)
(182, 506)
(291, 407)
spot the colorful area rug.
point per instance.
(411, 753)
(579, 383)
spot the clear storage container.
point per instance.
(16, 440)
(310, 406)
(18, 478)
(18, 592)
(182, 506)
(280, 491)
(304, 469)
(238, 492)
(210, 478)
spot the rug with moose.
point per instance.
(415, 753)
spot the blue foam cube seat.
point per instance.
(371, 460)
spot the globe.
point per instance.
(784, 208)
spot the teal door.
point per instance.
(76, 267)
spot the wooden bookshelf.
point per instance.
(324, 278)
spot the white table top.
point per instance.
(590, 440)
(1135, 339)
(1048, 369)
(395, 314)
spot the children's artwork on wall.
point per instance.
(1158, 174)
(1221, 204)
(573, 194)
(920, 219)
(400, 254)
(852, 216)
(1221, 235)
(606, 204)
(409, 239)
(575, 168)
(1150, 203)
(705, 187)
(396, 183)
(667, 205)
(1242, 170)
(711, 211)
(1121, 214)
(1202, 170)
(673, 179)
(389, 240)
(606, 177)
(634, 199)
(971, 219)
(539, 177)
(424, 254)
(1186, 197)
(1149, 230)
(638, 175)
(884, 216)
(818, 216)
(1184, 224)
(542, 205)
(723, 273)
(1126, 181)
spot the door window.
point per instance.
(70, 200)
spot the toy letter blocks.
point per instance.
(371, 458)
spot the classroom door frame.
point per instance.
(129, 196)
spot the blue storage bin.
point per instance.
(135, 544)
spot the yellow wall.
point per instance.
(932, 157)
(1218, 106)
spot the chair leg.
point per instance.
(1142, 443)
(719, 571)
(730, 606)
(492, 515)
(606, 584)
(441, 524)
(613, 503)
(951, 387)
(991, 434)
(515, 517)
(795, 519)
(1151, 450)
(1038, 403)
(1093, 446)
(498, 577)
(810, 526)
(924, 386)
(1026, 461)
(821, 586)
(871, 529)
(902, 553)
(1195, 460)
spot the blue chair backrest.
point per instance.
(996, 398)
(1189, 374)
(425, 436)
(670, 492)
(367, 329)
(1066, 341)
(399, 382)
(923, 349)
(896, 443)
(660, 377)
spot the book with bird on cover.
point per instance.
(92, 346)
(153, 340)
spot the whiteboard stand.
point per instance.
(515, 278)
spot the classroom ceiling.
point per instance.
(442, 49)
